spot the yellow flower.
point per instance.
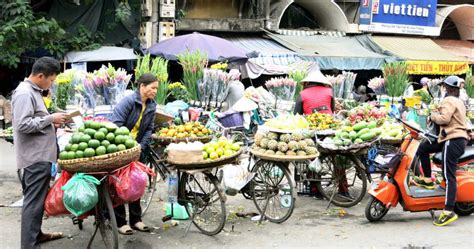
(47, 102)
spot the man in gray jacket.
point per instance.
(35, 147)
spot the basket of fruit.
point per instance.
(351, 139)
(213, 154)
(99, 147)
(189, 132)
(322, 122)
(284, 147)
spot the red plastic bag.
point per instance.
(53, 204)
(130, 182)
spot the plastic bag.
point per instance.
(174, 107)
(130, 182)
(80, 193)
(53, 204)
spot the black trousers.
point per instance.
(35, 184)
(452, 151)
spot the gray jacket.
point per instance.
(33, 130)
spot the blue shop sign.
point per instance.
(399, 16)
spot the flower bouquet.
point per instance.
(377, 85)
(178, 91)
(158, 67)
(337, 83)
(63, 88)
(396, 78)
(298, 76)
(214, 86)
(193, 64)
(284, 91)
(110, 83)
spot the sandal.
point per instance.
(140, 226)
(49, 237)
(125, 230)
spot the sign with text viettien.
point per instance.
(415, 17)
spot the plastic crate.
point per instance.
(231, 119)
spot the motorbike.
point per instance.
(396, 188)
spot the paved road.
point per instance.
(311, 226)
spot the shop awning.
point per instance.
(422, 55)
(342, 53)
(105, 53)
(460, 48)
(269, 57)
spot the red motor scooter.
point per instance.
(395, 187)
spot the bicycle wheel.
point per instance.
(273, 190)
(204, 200)
(341, 180)
(147, 197)
(105, 219)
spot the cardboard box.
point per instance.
(185, 156)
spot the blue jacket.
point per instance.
(127, 112)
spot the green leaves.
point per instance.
(22, 31)
(396, 78)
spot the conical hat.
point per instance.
(317, 77)
(244, 105)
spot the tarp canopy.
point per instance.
(423, 55)
(98, 15)
(460, 48)
(268, 57)
(105, 53)
(342, 53)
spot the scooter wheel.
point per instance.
(464, 208)
(375, 209)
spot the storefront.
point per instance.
(423, 55)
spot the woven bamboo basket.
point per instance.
(207, 163)
(168, 140)
(104, 163)
(283, 158)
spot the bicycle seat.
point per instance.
(467, 156)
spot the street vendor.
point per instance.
(452, 140)
(36, 147)
(137, 113)
(317, 95)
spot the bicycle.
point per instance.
(104, 214)
(272, 188)
(198, 191)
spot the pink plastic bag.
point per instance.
(130, 182)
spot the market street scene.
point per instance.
(236, 124)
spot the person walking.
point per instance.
(137, 113)
(35, 147)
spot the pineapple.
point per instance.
(309, 142)
(279, 153)
(264, 143)
(293, 145)
(270, 152)
(282, 146)
(300, 153)
(290, 153)
(272, 135)
(311, 150)
(285, 138)
(272, 144)
(297, 137)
